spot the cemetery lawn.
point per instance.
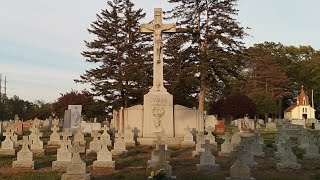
(134, 166)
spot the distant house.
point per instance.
(301, 109)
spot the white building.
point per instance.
(301, 110)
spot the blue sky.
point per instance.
(41, 41)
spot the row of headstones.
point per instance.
(11, 141)
(283, 144)
(239, 169)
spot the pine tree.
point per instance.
(122, 55)
(214, 40)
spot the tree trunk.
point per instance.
(280, 108)
(202, 94)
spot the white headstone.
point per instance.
(226, 146)
(188, 138)
(95, 144)
(54, 137)
(63, 153)
(24, 156)
(7, 146)
(105, 137)
(77, 168)
(104, 159)
(200, 140)
(162, 163)
(75, 115)
(119, 145)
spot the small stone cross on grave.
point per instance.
(55, 128)
(76, 149)
(227, 137)
(162, 153)
(96, 135)
(206, 146)
(105, 128)
(25, 143)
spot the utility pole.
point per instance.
(0, 97)
(5, 86)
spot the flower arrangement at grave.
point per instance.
(158, 174)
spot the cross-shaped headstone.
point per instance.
(162, 153)
(226, 136)
(65, 135)
(158, 28)
(105, 128)
(239, 152)
(55, 128)
(25, 142)
(95, 135)
(120, 137)
(8, 132)
(206, 145)
(76, 149)
(210, 129)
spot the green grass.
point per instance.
(134, 166)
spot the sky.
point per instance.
(41, 41)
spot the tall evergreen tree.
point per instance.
(122, 55)
(215, 41)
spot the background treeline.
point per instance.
(206, 64)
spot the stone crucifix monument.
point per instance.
(158, 103)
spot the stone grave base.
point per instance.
(240, 178)
(38, 152)
(103, 164)
(53, 143)
(252, 165)
(197, 153)
(260, 154)
(311, 156)
(23, 164)
(245, 134)
(119, 152)
(131, 143)
(171, 141)
(7, 152)
(205, 167)
(224, 153)
(76, 176)
(188, 144)
(167, 169)
(167, 178)
(60, 165)
(287, 167)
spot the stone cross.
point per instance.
(239, 153)
(95, 135)
(8, 132)
(226, 136)
(25, 142)
(157, 28)
(162, 154)
(206, 145)
(65, 135)
(76, 149)
(105, 128)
